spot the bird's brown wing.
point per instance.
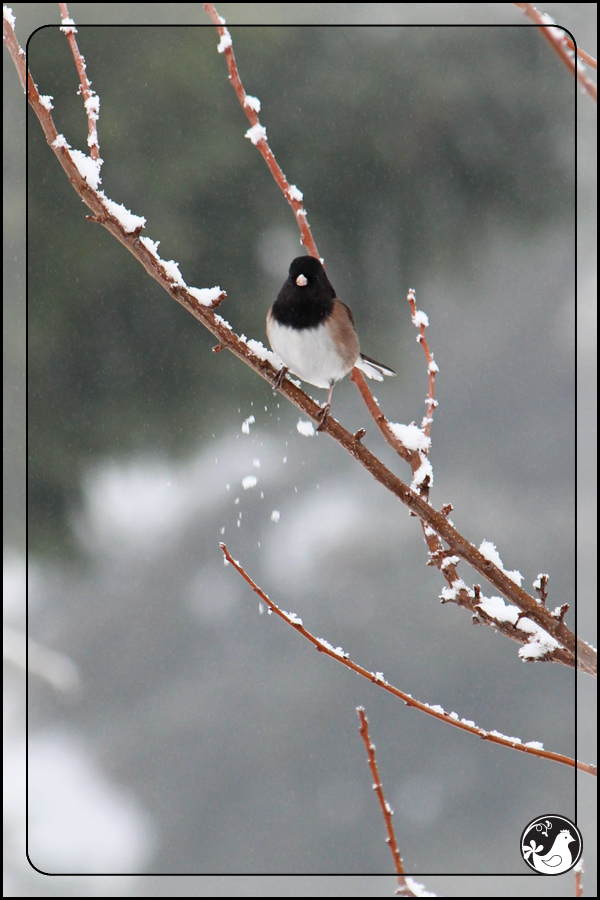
(348, 310)
(341, 325)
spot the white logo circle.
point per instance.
(551, 845)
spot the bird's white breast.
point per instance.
(309, 353)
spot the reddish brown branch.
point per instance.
(562, 45)
(409, 456)
(377, 787)
(377, 678)
(415, 458)
(12, 45)
(419, 320)
(585, 57)
(579, 870)
(90, 97)
(290, 192)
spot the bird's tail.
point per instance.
(371, 368)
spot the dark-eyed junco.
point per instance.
(312, 330)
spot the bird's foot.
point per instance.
(279, 379)
(323, 416)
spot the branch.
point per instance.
(90, 97)
(578, 871)
(563, 46)
(377, 678)
(386, 809)
(12, 45)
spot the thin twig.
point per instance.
(410, 456)
(377, 678)
(414, 457)
(386, 809)
(420, 321)
(90, 97)
(12, 45)
(579, 870)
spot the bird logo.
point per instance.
(551, 845)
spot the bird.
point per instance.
(558, 859)
(312, 331)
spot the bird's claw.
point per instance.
(279, 378)
(323, 415)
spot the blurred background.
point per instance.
(173, 729)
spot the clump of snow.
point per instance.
(417, 889)
(223, 322)
(150, 245)
(538, 646)
(172, 270)
(247, 423)
(124, 216)
(420, 318)
(252, 103)
(295, 194)
(256, 133)
(275, 515)
(487, 549)
(92, 106)
(411, 436)
(451, 593)
(498, 609)
(539, 643)
(305, 427)
(338, 651)
(424, 473)
(206, 296)
(225, 42)
(249, 481)
(261, 351)
(505, 737)
(88, 168)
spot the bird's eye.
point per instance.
(301, 280)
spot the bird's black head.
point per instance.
(312, 269)
(307, 296)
